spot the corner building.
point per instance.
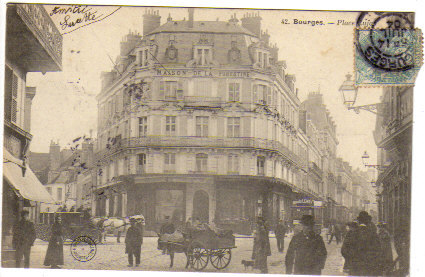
(198, 119)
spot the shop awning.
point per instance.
(28, 186)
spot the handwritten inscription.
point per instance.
(75, 15)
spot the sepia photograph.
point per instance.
(220, 140)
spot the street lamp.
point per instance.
(349, 96)
(349, 91)
(365, 159)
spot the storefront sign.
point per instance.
(301, 202)
(201, 73)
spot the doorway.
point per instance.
(201, 206)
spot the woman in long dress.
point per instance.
(54, 254)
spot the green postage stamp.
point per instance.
(388, 52)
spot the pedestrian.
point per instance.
(347, 247)
(23, 239)
(333, 232)
(168, 227)
(338, 233)
(306, 254)
(133, 242)
(54, 254)
(401, 245)
(261, 246)
(387, 252)
(280, 232)
(363, 249)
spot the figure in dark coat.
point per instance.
(54, 254)
(363, 248)
(387, 252)
(306, 253)
(346, 249)
(261, 246)
(280, 233)
(133, 242)
(167, 227)
(23, 238)
(335, 233)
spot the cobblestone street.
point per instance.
(111, 256)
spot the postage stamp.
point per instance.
(388, 52)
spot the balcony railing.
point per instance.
(313, 167)
(42, 27)
(202, 101)
(181, 141)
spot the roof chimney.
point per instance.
(191, 10)
(151, 21)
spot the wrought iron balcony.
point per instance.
(30, 24)
(315, 169)
(202, 101)
(206, 142)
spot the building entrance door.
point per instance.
(201, 206)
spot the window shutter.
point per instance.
(220, 126)
(246, 125)
(8, 93)
(14, 108)
(161, 90)
(180, 89)
(255, 93)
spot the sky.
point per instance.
(319, 56)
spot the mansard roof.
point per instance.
(202, 26)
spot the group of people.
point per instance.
(366, 248)
(24, 236)
(306, 253)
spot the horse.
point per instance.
(116, 225)
(175, 247)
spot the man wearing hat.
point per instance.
(23, 239)
(261, 245)
(363, 248)
(133, 242)
(306, 253)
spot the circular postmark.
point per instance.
(386, 40)
(83, 248)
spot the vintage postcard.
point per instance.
(220, 140)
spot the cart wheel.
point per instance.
(220, 258)
(200, 258)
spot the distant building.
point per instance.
(62, 174)
(33, 44)
(199, 119)
(320, 126)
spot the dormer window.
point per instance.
(203, 55)
(143, 56)
(263, 58)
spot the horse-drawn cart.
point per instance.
(74, 225)
(201, 247)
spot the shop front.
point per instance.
(21, 191)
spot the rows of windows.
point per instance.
(172, 90)
(202, 129)
(201, 165)
(267, 95)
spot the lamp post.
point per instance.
(349, 95)
(365, 159)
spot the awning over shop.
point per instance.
(28, 186)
